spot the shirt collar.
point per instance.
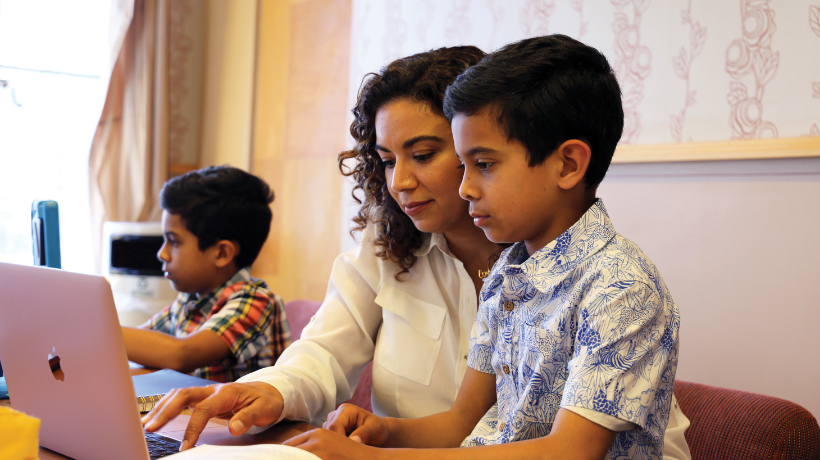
(207, 301)
(551, 263)
(432, 240)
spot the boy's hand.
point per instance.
(328, 445)
(245, 404)
(361, 425)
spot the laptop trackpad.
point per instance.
(214, 434)
(176, 429)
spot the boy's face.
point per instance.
(188, 268)
(509, 200)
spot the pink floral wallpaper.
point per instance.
(690, 70)
(814, 23)
(535, 17)
(751, 58)
(632, 63)
(682, 66)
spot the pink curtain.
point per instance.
(129, 154)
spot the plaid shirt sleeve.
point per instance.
(245, 320)
(280, 329)
(161, 321)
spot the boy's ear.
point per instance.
(575, 156)
(226, 252)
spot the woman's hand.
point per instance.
(359, 424)
(245, 404)
(329, 445)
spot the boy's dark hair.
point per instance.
(421, 78)
(222, 203)
(545, 91)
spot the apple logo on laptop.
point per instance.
(54, 364)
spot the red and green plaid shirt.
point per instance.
(244, 312)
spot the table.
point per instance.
(274, 435)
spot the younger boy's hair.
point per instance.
(545, 91)
(222, 203)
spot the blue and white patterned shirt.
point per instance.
(584, 322)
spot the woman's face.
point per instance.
(422, 170)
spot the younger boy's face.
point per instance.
(187, 267)
(509, 200)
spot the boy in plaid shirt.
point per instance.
(224, 323)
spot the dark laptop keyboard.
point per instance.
(161, 446)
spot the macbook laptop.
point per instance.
(65, 363)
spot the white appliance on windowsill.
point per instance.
(130, 263)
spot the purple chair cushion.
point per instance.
(299, 313)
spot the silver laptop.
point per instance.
(65, 363)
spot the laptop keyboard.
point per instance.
(161, 446)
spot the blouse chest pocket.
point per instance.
(410, 339)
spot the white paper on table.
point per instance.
(256, 452)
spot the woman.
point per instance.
(406, 297)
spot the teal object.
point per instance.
(45, 233)
(4, 390)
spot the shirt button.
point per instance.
(502, 426)
(506, 369)
(508, 305)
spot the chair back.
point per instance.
(299, 313)
(361, 397)
(733, 424)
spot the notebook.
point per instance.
(64, 356)
(150, 388)
(259, 452)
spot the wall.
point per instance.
(735, 244)
(690, 70)
(732, 239)
(299, 128)
(227, 101)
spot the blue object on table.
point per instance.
(45, 233)
(4, 390)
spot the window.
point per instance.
(53, 65)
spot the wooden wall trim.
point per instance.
(300, 126)
(753, 149)
(178, 169)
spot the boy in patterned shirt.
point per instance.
(575, 346)
(224, 323)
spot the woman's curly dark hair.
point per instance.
(423, 77)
